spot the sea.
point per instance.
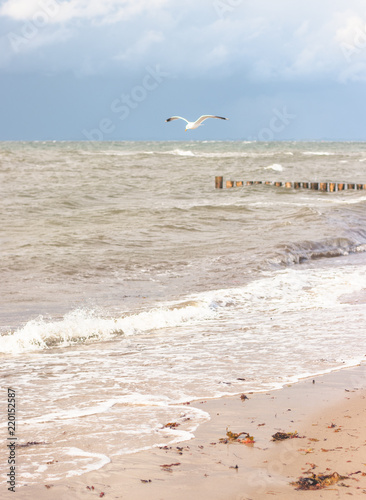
(131, 287)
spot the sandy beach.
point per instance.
(327, 413)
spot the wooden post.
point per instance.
(219, 182)
(331, 187)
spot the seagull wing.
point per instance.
(204, 117)
(176, 118)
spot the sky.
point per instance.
(116, 69)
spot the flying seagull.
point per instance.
(197, 123)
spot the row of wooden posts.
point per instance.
(317, 186)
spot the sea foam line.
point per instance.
(77, 452)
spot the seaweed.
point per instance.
(317, 481)
(306, 451)
(172, 425)
(30, 443)
(237, 437)
(168, 467)
(281, 436)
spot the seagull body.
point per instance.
(197, 123)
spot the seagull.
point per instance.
(197, 123)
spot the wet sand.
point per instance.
(328, 413)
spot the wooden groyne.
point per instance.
(330, 187)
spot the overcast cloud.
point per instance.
(66, 66)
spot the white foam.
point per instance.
(275, 166)
(42, 468)
(346, 201)
(180, 152)
(86, 325)
(317, 153)
(293, 290)
(76, 452)
(194, 416)
(82, 325)
(112, 153)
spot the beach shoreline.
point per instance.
(327, 412)
(131, 293)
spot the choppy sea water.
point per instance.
(130, 286)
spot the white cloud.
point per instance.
(218, 55)
(262, 40)
(61, 11)
(351, 39)
(303, 29)
(141, 47)
(350, 31)
(19, 9)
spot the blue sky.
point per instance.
(115, 70)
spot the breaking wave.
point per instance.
(82, 325)
(296, 253)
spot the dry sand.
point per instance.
(328, 412)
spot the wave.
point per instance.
(174, 152)
(199, 153)
(275, 166)
(101, 461)
(88, 325)
(351, 201)
(294, 253)
(177, 152)
(83, 325)
(114, 153)
(317, 153)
